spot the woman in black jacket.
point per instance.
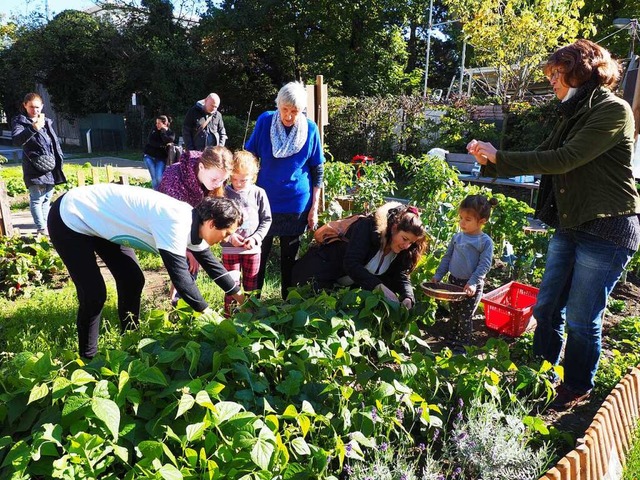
(34, 133)
(155, 151)
(379, 253)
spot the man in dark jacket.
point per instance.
(203, 125)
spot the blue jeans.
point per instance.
(580, 274)
(156, 169)
(39, 204)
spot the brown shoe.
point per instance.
(567, 398)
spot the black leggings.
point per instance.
(461, 321)
(78, 252)
(289, 245)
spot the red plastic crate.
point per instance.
(508, 308)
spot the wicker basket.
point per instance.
(443, 291)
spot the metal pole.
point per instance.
(464, 52)
(89, 141)
(426, 63)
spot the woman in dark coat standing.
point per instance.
(155, 151)
(34, 133)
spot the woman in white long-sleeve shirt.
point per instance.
(112, 220)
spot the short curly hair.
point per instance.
(583, 60)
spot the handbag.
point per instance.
(44, 163)
(173, 153)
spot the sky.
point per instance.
(22, 7)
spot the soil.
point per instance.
(156, 286)
(577, 420)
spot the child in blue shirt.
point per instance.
(467, 260)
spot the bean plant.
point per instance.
(294, 390)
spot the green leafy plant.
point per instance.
(25, 263)
(526, 252)
(375, 182)
(339, 179)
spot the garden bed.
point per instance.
(575, 421)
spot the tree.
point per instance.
(160, 62)
(254, 46)
(515, 36)
(81, 63)
(444, 57)
(601, 14)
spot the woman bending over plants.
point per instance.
(111, 220)
(377, 252)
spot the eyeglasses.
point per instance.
(555, 75)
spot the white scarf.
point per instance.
(572, 91)
(283, 145)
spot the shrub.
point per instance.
(528, 125)
(237, 128)
(493, 444)
(385, 126)
(26, 263)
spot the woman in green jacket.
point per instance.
(588, 194)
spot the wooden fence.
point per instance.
(601, 453)
(95, 176)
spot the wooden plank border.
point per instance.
(601, 453)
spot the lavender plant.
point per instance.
(397, 463)
(489, 443)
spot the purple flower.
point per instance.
(459, 417)
(404, 476)
(419, 411)
(436, 434)
(374, 414)
(441, 477)
(399, 414)
(349, 447)
(383, 446)
(460, 402)
(422, 447)
(347, 469)
(457, 472)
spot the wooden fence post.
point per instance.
(6, 225)
(574, 461)
(110, 174)
(583, 456)
(593, 458)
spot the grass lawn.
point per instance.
(632, 468)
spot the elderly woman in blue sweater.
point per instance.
(291, 172)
